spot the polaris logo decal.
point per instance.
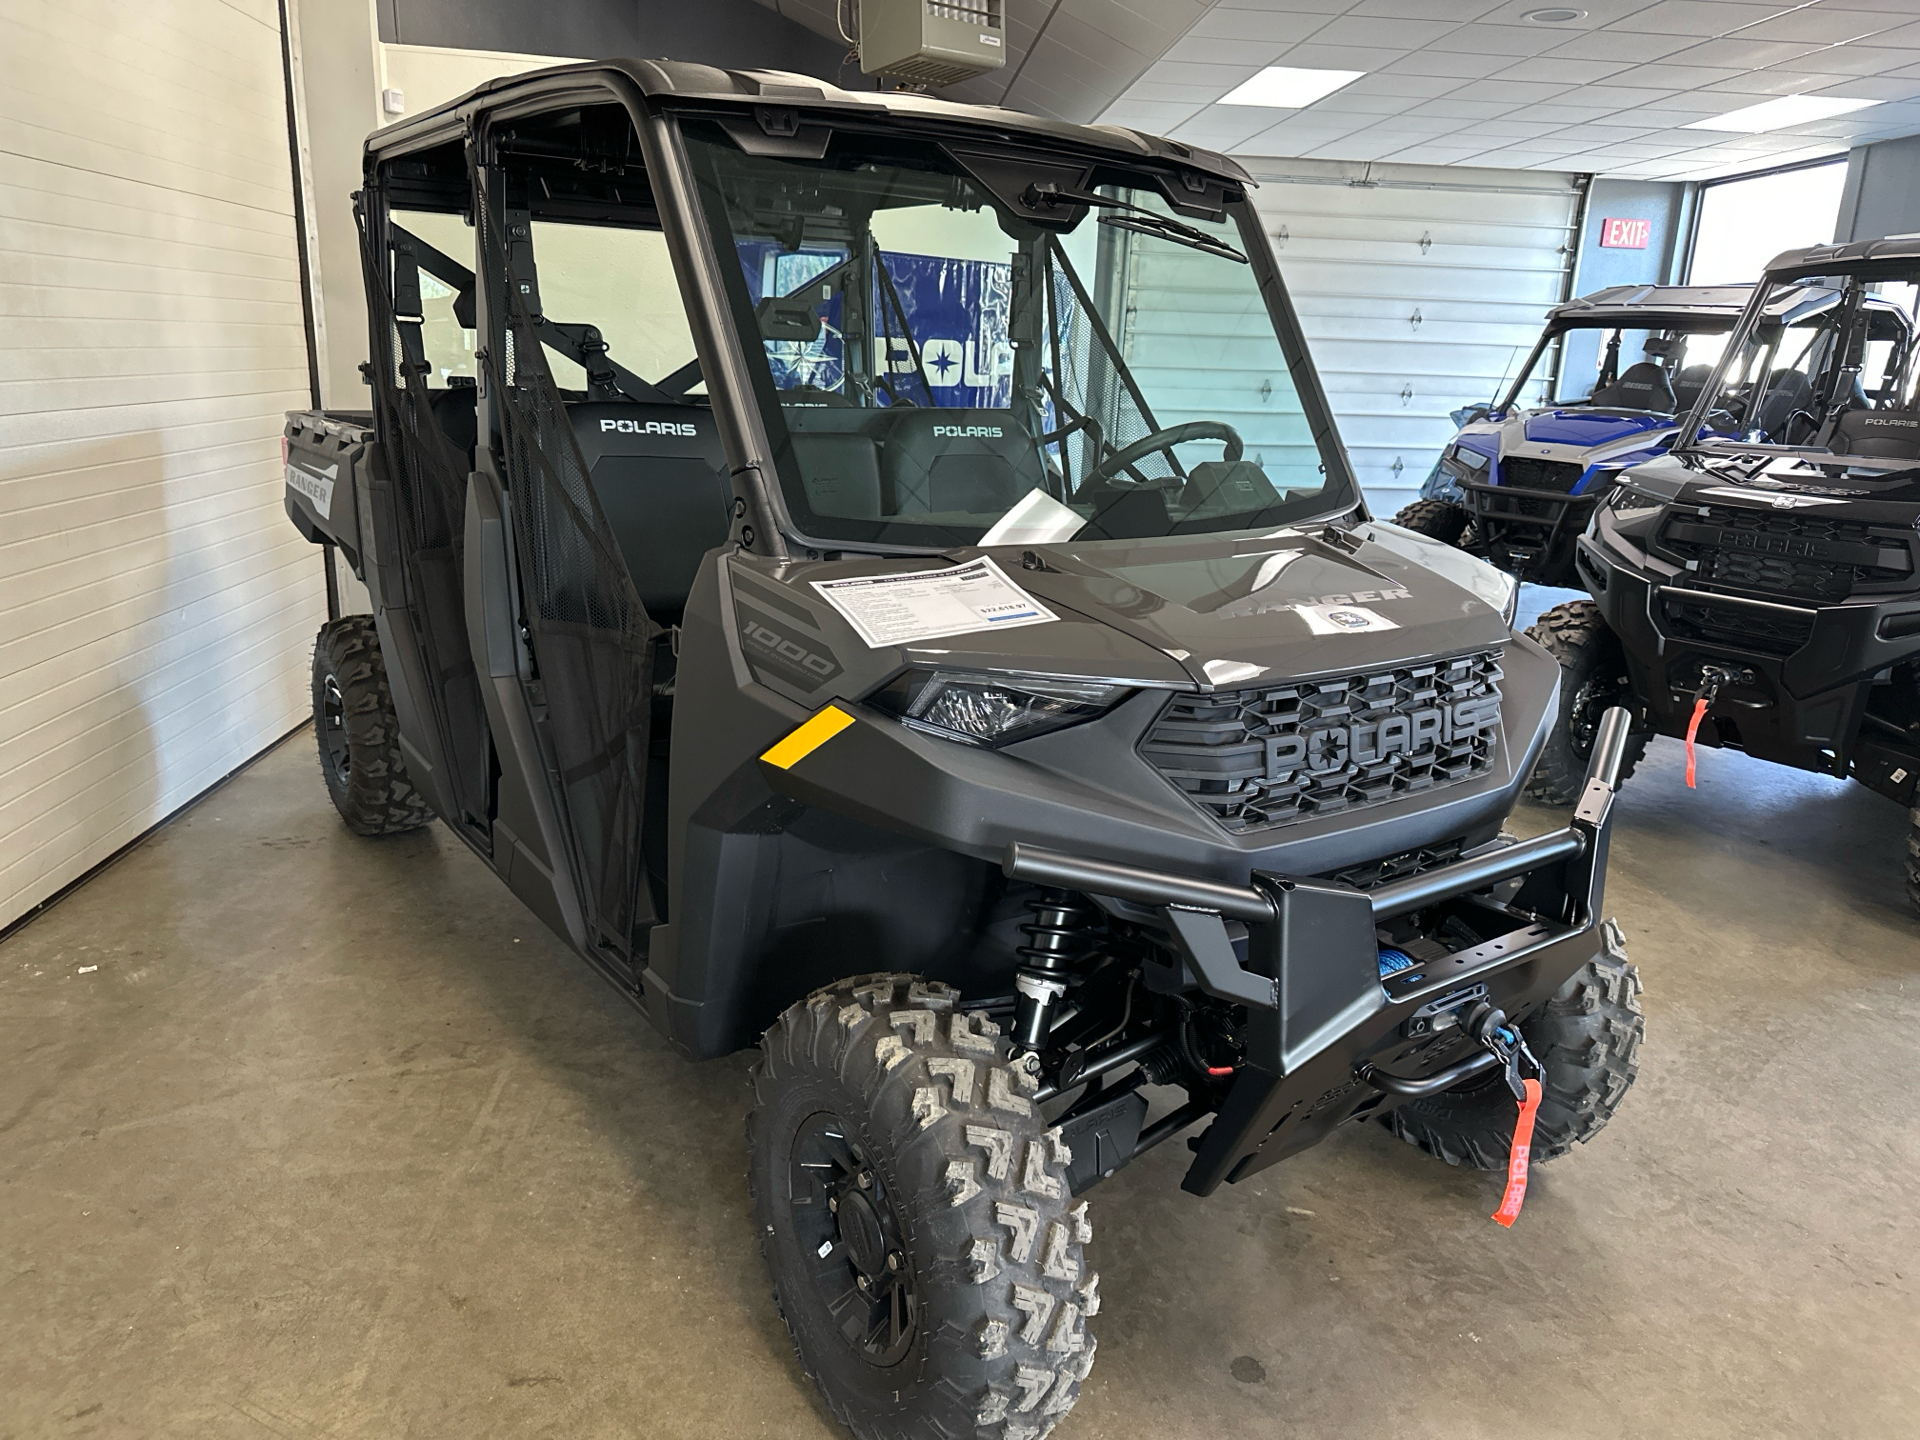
(1881, 420)
(650, 427)
(969, 432)
(1337, 747)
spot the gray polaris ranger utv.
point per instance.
(879, 579)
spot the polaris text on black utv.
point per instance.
(1519, 483)
(1756, 588)
(878, 577)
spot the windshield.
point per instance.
(1659, 367)
(1842, 381)
(934, 369)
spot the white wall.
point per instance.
(156, 608)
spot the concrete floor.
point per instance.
(308, 1135)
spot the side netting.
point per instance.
(430, 473)
(592, 639)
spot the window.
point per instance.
(1745, 223)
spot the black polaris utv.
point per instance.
(1756, 588)
(878, 577)
(1519, 483)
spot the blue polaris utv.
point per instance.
(1521, 480)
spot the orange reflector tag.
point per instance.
(1509, 1210)
(1693, 729)
(808, 738)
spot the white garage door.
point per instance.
(1419, 288)
(156, 608)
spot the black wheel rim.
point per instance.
(333, 728)
(851, 1241)
(1590, 702)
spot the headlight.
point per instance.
(1463, 461)
(992, 710)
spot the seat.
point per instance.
(1891, 434)
(453, 411)
(1787, 393)
(838, 460)
(1687, 386)
(1640, 387)
(973, 462)
(661, 475)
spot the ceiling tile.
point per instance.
(1440, 62)
(1151, 115)
(1570, 114)
(1453, 109)
(1501, 39)
(1394, 82)
(1820, 23)
(1208, 82)
(1549, 69)
(1674, 77)
(1863, 58)
(1282, 27)
(1777, 80)
(1367, 30)
(1620, 97)
(1315, 56)
(1208, 50)
(1696, 17)
(1620, 45)
(1740, 54)
(1151, 89)
(1359, 106)
(1221, 127)
(1872, 87)
(1426, 9)
(1907, 37)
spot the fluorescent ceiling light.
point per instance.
(1778, 114)
(1283, 87)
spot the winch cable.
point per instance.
(1693, 729)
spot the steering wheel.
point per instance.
(1125, 457)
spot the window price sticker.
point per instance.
(929, 604)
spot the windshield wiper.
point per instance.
(1139, 218)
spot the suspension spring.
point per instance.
(1058, 938)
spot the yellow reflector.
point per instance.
(808, 738)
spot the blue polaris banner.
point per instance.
(957, 312)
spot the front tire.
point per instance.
(1592, 678)
(1440, 520)
(359, 738)
(1588, 1039)
(914, 1213)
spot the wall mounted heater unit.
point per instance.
(932, 42)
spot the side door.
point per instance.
(417, 254)
(563, 641)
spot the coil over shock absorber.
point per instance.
(1057, 940)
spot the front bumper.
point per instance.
(1322, 1021)
(1528, 533)
(1807, 668)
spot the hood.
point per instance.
(1584, 429)
(1237, 612)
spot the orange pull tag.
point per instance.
(1509, 1210)
(1693, 729)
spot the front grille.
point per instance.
(1789, 553)
(1399, 867)
(1760, 631)
(1254, 759)
(1527, 473)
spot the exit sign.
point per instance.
(1622, 234)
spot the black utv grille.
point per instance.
(1764, 632)
(1526, 473)
(1789, 553)
(1257, 758)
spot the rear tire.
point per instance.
(1592, 678)
(359, 738)
(1913, 857)
(1440, 520)
(1588, 1039)
(942, 1293)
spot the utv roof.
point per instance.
(1819, 259)
(1680, 307)
(673, 83)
